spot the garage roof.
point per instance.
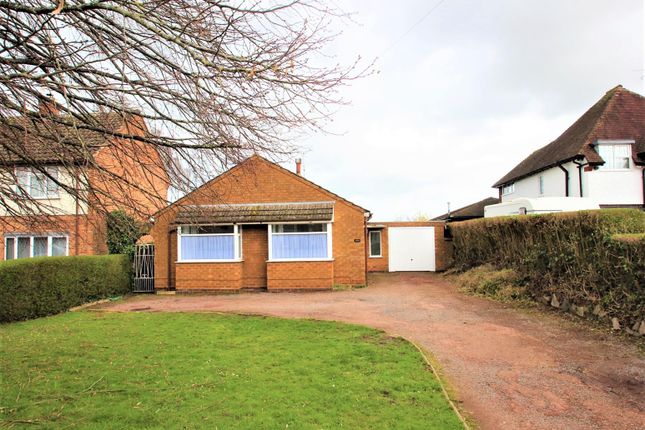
(255, 213)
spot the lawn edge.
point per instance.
(448, 391)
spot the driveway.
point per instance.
(509, 368)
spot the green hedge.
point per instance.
(36, 287)
(588, 258)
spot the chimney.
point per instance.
(298, 166)
(47, 106)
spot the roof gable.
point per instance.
(248, 164)
(619, 114)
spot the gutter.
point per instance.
(566, 180)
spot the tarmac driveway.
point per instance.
(509, 368)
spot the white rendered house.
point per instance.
(600, 157)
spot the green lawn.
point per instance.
(173, 370)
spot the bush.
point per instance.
(36, 287)
(589, 257)
(504, 285)
(122, 233)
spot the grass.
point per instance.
(175, 370)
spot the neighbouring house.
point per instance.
(69, 225)
(417, 246)
(259, 226)
(600, 157)
(472, 211)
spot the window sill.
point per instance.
(375, 256)
(298, 260)
(38, 198)
(208, 261)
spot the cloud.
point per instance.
(470, 92)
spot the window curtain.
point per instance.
(40, 246)
(306, 245)
(207, 247)
(59, 246)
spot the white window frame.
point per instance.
(237, 244)
(330, 252)
(508, 189)
(32, 174)
(614, 143)
(369, 235)
(50, 237)
(541, 184)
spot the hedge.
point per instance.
(36, 287)
(587, 258)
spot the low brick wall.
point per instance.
(209, 276)
(300, 275)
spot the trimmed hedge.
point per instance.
(36, 287)
(587, 258)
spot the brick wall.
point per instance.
(255, 253)
(191, 277)
(295, 275)
(258, 181)
(86, 233)
(443, 248)
(134, 178)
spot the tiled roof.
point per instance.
(44, 141)
(475, 210)
(255, 213)
(620, 114)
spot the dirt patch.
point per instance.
(509, 368)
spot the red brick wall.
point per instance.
(443, 248)
(255, 253)
(208, 276)
(315, 275)
(258, 181)
(134, 179)
(86, 233)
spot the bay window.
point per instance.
(300, 241)
(208, 243)
(37, 184)
(26, 246)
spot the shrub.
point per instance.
(122, 233)
(504, 285)
(589, 257)
(36, 287)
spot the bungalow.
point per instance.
(600, 156)
(260, 226)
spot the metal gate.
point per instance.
(144, 268)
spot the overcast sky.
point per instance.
(466, 94)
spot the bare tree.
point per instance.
(204, 83)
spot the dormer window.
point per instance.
(616, 155)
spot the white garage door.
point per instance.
(411, 249)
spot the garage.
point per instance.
(411, 249)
